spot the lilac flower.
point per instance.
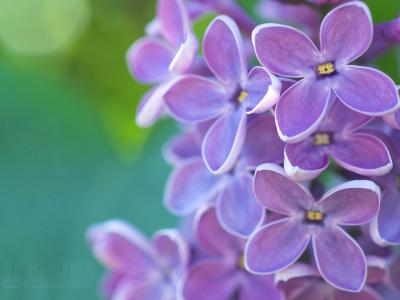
(279, 244)
(337, 137)
(140, 270)
(157, 59)
(302, 282)
(191, 184)
(345, 34)
(386, 35)
(194, 98)
(222, 275)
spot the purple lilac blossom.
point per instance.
(157, 59)
(234, 95)
(345, 34)
(279, 244)
(221, 275)
(338, 137)
(139, 269)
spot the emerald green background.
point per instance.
(71, 156)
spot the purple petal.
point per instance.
(172, 250)
(174, 21)
(181, 147)
(262, 144)
(362, 153)
(301, 109)
(276, 192)
(255, 287)
(352, 203)
(346, 32)
(284, 50)
(237, 209)
(223, 50)
(366, 90)
(366, 294)
(388, 224)
(190, 185)
(148, 60)
(211, 280)
(340, 259)
(185, 56)
(193, 98)
(276, 246)
(145, 290)
(263, 89)
(304, 161)
(212, 238)
(110, 283)
(224, 140)
(121, 248)
(393, 119)
(343, 119)
(151, 106)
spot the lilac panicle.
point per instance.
(279, 244)
(345, 34)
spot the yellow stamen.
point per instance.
(315, 216)
(326, 69)
(321, 139)
(243, 95)
(241, 262)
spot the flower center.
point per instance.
(325, 69)
(242, 96)
(240, 263)
(314, 216)
(322, 138)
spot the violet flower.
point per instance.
(140, 270)
(279, 244)
(345, 34)
(222, 276)
(337, 137)
(236, 94)
(157, 59)
(303, 282)
(191, 184)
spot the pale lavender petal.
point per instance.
(301, 109)
(340, 118)
(148, 60)
(193, 98)
(181, 147)
(362, 153)
(237, 209)
(263, 90)
(172, 251)
(262, 144)
(211, 280)
(223, 50)
(366, 294)
(256, 287)
(340, 259)
(352, 203)
(276, 246)
(346, 32)
(284, 50)
(173, 20)
(121, 248)
(151, 106)
(190, 185)
(366, 90)
(278, 193)
(388, 224)
(224, 140)
(185, 56)
(145, 290)
(212, 238)
(304, 160)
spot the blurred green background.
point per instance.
(70, 154)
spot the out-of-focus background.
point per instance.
(70, 154)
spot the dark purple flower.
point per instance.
(279, 244)
(345, 34)
(157, 59)
(222, 276)
(140, 270)
(191, 184)
(230, 99)
(337, 137)
(302, 282)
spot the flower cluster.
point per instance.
(264, 110)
